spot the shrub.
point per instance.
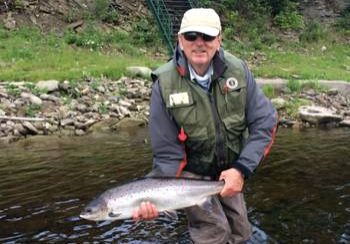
(105, 12)
(343, 22)
(312, 33)
(289, 20)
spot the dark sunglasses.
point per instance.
(192, 36)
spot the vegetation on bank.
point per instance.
(272, 36)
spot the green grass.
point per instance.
(27, 55)
(307, 63)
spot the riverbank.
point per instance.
(77, 108)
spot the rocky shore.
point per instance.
(78, 108)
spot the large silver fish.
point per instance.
(168, 194)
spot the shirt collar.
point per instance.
(195, 76)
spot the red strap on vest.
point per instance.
(182, 138)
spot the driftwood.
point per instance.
(22, 118)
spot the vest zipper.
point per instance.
(219, 143)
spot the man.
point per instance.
(208, 119)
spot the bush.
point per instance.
(105, 12)
(312, 33)
(344, 21)
(289, 21)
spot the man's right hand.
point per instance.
(146, 211)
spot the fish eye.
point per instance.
(88, 210)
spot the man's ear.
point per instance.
(220, 41)
(179, 37)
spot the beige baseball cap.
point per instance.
(203, 20)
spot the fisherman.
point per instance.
(208, 119)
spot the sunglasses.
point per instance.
(192, 36)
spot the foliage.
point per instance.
(289, 20)
(292, 106)
(313, 84)
(312, 33)
(33, 89)
(31, 110)
(145, 32)
(12, 89)
(104, 11)
(269, 91)
(294, 85)
(343, 22)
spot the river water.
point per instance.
(300, 194)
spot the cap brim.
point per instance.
(210, 31)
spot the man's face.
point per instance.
(199, 51)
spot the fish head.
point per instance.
(97, 210)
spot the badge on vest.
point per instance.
(181, 98)
(231, 83)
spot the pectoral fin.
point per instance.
(113, 215)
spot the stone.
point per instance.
(48, 85)
(32, 98)
(128, 123)
(318, 115)
(278, 102)
(30, 128)
(139, 71)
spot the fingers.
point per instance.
(146, 211)
(233, 182)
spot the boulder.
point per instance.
(318, 115)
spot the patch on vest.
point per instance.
(181, 98)
(231, 83)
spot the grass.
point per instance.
(27, 55)
(307, 63)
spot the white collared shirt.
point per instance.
(203, 81)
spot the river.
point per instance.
(300, 193)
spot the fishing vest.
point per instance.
(214, 121)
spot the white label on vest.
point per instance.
(179, 99)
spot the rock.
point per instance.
(67, 121)
(50, 98)
(30, 128)
(48, 85)
(318, 115)
(9, 22)
(75, 25)
(332, 92)
(32, 98)
(139, 71)
(345, 123)
(278, 102)
(128, 122)
(104, 125)
(79, 132)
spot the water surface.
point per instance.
(300, 194)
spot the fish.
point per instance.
(167, 194)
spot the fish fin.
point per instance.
(206, 204)
(171, 214)
(113, 215)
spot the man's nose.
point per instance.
(199, 40)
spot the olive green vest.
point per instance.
(213, 121)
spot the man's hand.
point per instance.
(146, 211)
(233, 182)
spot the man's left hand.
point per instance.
(233, 182)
